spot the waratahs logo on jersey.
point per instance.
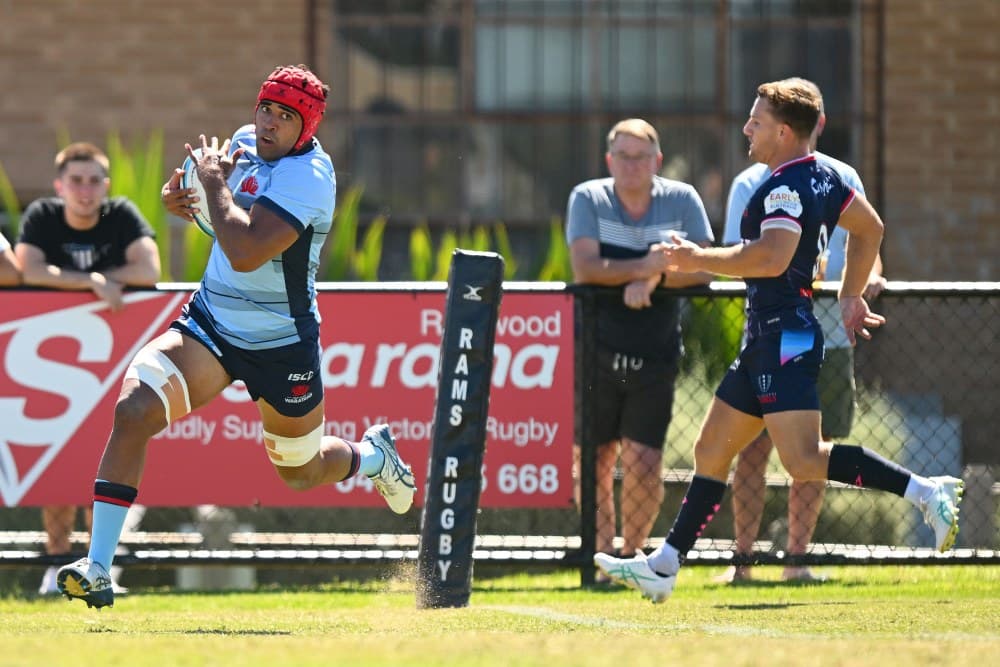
(783, 198)
(59, 358)
(249, 185)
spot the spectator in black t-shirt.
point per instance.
(80, 239)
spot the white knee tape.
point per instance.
(154, 369)
(293, 452)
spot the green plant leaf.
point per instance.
(343, 236)
(369, 256)
(449, 242)
(10, 205)
(557, 265)
(503, 247)
(480, 241)
(197, 247)
(421, 253)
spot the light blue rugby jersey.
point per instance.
(275, 304)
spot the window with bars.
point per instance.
(455, 112)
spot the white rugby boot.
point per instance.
(395, 480)
(636, 573)
(940, 508)
(88, 581)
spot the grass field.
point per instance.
(865, 615)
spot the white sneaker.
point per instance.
(940, 509)
(48, 585)
(636, 573)
(395, 480)
(88, 581)
(116, 574)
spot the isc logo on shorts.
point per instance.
(301, 377)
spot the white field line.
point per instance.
(721, 629)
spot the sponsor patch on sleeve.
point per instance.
(783, 198)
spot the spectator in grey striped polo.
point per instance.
(614, 228)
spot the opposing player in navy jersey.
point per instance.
(271, 192)
(772, 383)
(835, 385)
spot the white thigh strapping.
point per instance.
(293, 452)
(155, 370)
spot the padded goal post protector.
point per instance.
(458, 440)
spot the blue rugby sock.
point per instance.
(111, 503)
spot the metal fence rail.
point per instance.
(926, 396)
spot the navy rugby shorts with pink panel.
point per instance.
(777, 369)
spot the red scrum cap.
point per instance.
(299, 89)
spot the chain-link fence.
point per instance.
(922, 393)
(926, 394)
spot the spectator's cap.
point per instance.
(298, 88)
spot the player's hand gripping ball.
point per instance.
(189, 179)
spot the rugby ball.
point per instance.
(189, 179)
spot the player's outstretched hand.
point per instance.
(858, 317)
(681, 254)
(214, 159)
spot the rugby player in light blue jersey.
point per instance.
(785, 228)
(270, 193)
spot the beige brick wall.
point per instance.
(85, 67)
(191, 67)
(942, 114)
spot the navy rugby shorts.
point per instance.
(288, 378)
(777, 369)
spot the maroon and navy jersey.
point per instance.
(806, 197)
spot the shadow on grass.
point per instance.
(771, 583)
(233, 632)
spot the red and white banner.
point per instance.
(63, 354)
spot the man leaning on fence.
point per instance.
(613, 227)
(81, 239)
(772, 384)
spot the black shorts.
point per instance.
(633, 398)
(288, 378)
(777, 369)
(836, 392)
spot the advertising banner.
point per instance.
(63, 355)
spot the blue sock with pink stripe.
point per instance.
(111, 503)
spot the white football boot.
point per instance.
(636, 573)
(940, 508)
(395, 480)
